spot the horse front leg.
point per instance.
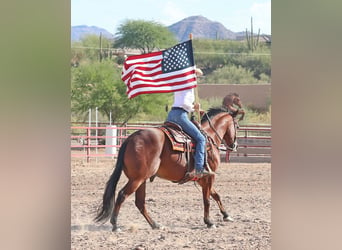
(140, 195)
(216, 197)
(206, 184)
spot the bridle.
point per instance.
(233, 147)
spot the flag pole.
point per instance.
(199, 112)
(196, 94)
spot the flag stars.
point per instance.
(176, 58)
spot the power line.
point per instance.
(198, 52)
(233, 53)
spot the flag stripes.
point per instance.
(160, 72)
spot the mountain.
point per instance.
(77, 32)
(200, 27)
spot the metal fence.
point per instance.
(93, 142)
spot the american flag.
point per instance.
(164, 71)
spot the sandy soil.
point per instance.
(245, 191)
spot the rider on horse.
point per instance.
(179, 114)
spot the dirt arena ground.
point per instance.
(245, 191)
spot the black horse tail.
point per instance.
(105, 210)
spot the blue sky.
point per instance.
(234, 15)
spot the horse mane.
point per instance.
(213, 112)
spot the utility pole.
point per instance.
(100, 46)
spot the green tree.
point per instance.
(213, 55)
(88, 49)
(231, 75)
(259, 65)
(99, 85)
(144, 35)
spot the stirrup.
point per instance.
(200, 174)
(205, 172)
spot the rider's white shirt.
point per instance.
(184, 99)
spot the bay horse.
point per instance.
(148, 153)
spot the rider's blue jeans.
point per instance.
(180, 117)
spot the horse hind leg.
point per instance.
(140, 196)
(127, 190)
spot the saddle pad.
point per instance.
(177, 138)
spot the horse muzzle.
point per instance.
(233, 147)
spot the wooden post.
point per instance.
(197, 101)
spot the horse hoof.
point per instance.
(230, 219)
(116, 230)
(211, 226)
(157, 226)
(209, 223)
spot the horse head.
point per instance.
(223, 126)
(230, 136)
(237, 101)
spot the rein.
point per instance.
(216, 133)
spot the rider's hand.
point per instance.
(197, 106)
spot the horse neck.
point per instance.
(219, 125)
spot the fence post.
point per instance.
(227, 156)
(88, 144)
(96, 132)
(111, 139)
(246, 138)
